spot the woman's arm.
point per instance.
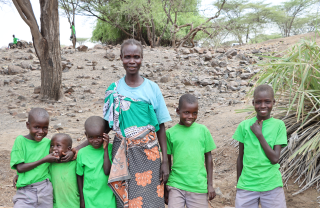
(80, 186)
(163, 144)
(240, 161)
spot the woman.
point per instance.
(135, 108)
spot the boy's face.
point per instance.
(95, 137)
(38, 128)
(263, 103)
(188, 113)
(59, 145)
(131, 58)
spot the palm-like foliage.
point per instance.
(295, 79)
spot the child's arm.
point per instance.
(272, 154)
(80, 186)
(209, 167)
(24, 167)
(106, 159)
(166, 194)
(240, 160)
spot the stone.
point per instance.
(148, 74)
(6, 82)
(243, 83)
(199, 50)
(98, 46)
(246, 75)
(231, 52)
(13, 70)
(255, 51)
(214, 63)
(208, 56)
(58, 126)
(206, 81)
(25, 65)
(89, 91)
(12, 106)
(110, 56)
(22, 98)
(223, 64)
(186, 82)
(22, 115)
(220, 50)
(30, 50)
(83, 48)
(79, 67)
(164, 79)
(185, 51)
(233, 74)
(69, 90)
(37, 90)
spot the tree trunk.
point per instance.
(49, 55)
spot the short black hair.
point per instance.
(65, 137)
(37, 113)
(95, 121)
(262, 88)
(131, 42)
(191, 99)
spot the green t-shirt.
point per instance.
(73, 30)
(65, 186)
(27, 151)
(188, 145)
(15, 40)
(96, 191)
(258, 174)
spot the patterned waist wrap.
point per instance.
(135, 171)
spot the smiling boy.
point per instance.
(260, 141)
(93, 166)
(189, 183)
(63, 174)
(29, 156)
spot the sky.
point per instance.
(11, 23)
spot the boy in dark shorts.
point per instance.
(189, 183)
(93, 166)
(63, 174)
(260, 141)
(29, 156)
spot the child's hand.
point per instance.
(15, 179)
(211, 192)
(105, 140)
(75, 152)
(67, 156)
(50, 158)
(256, 128)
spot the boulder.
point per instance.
(12, 70)
(199, 50)
(232, 52)
(220, 50)
(25, 65)
(208, 56)
(185, 51)
(111, 56)
(83, 48)
(98, 46)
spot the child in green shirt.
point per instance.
(189, 183)
(29, 156)
(63, 174)
(93, 166)
(260, 141)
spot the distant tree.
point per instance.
(285, 14)
(80, 41)
(46, 41)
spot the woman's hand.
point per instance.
(164, 172)
(15, 179)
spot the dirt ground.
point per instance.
(69, 115)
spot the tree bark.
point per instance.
(46, 43)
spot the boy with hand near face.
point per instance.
(63, 174)
(260, 141)
(29, 156)
(189, 183)
(93, 166)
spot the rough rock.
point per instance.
(185, 51)
(111, 56)
(12, 70)
(199, 50)
(231, 52)
(98, 46)
(246, 75)
(83, 48)
(208, 56)
(214, 63)
(164, 79)
(220, 50)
